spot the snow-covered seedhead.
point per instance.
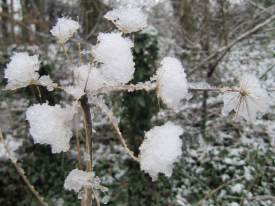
(78, 180)
(22, 70)
(64, 29)
(46, 81)
(248, 100)
(128, 20)
(89, 76)
(116, 58)
(160, 149)
(51, 125)
(172, 83)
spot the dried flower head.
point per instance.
(128, 20)
(248, 100)
(64, 29)
(160, 149)
(22, 70)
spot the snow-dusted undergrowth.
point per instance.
(111, 68)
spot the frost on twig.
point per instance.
(103, 107)
(161, 149)
(146, 86)
(51, 125)
(128, 20)
(248, 100)
(78, 180)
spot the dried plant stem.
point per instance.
(114, 123)
(87, 200)
(78, 145)
(21, 172)
(66, 53)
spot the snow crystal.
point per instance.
(114, 52)
(237, 188)
(160, 149)
(46, 81)
(172, 83)
(233, 204)
(88, 76)
(22, 70)
(75, 91)
(64, 29)
(128, 20)
(248, 100)
(78, 179)
(13, 145)
(51, 125)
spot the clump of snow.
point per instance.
(51, 125)
(22, 70)
(46, 81)
(160, 149)
(88, 76)
(237, 188)
(172, 83)
(128, 20)
(78, 180)
(75, 91)
(13, 144)
(248, 100)
(116, 58)
(64, 29)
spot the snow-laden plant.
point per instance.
(110, 69)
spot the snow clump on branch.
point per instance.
(51, 125)
(78, 180)
(64, 29)
(22, 70)
(160, 149)
(128, 20)
(116, 58)
(172, 82)
(248, 100)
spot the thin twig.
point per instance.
(21, 172)
(234, 42)
(88, 144)
(114, 122)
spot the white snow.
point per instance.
(128, 20)
(46, 81)
(13, 145)
(172, 83)
(116, 58)
(21, 70)
(88, 76)
(64, 29)
(78, 180)
(248, 101)
(237, 188)
(160, 149)
(51, 125)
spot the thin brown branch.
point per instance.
(234, 42)
(88, 144)
(114, 122)
(21, 172)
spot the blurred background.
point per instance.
(225, 162)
